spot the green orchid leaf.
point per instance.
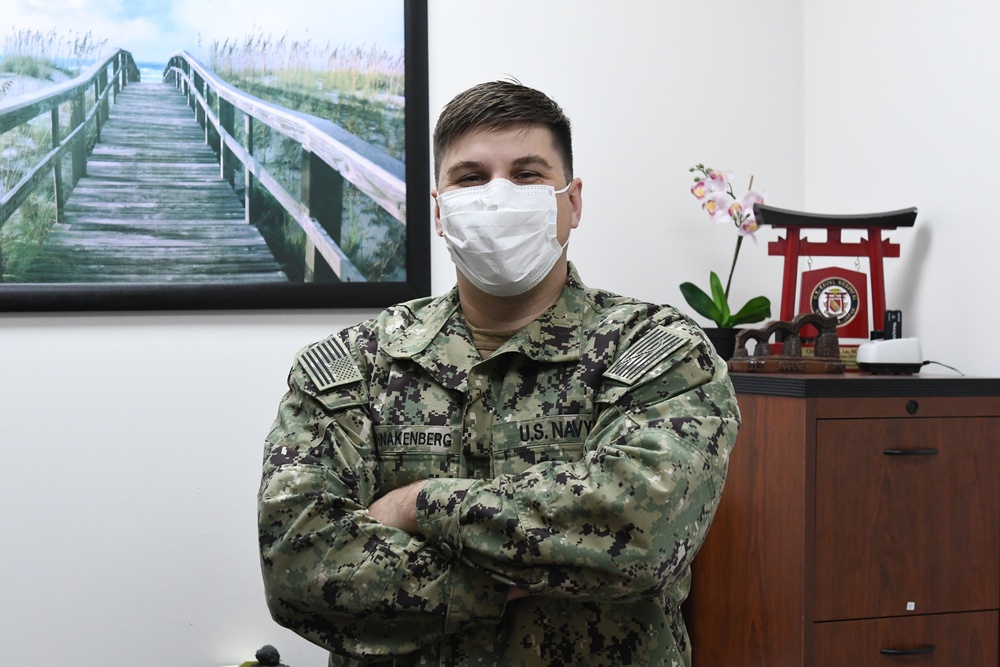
(755, 310)
(701, 302)
(719, 296)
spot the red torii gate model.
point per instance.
(792, 246)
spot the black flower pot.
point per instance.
(724, 340)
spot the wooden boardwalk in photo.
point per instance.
(153, 207)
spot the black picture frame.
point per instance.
(108, 296)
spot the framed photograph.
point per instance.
(203, 155)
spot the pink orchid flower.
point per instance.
(717, 206)
(743, 215)
(714, 190)
(749, 226)
(713, 182)
(718, 181)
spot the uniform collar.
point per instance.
(431, 321)
(555, 336)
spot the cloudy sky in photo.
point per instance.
(153, 30)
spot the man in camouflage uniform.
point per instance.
(498, 480)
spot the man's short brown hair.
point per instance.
(498, 105)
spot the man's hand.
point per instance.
(398, 508)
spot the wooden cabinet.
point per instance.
(860, 525)
(945, 640)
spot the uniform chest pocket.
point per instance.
(406, 454)
(519, 445)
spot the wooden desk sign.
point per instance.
(826, 353)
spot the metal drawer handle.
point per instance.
(930, 451)
(923, 650)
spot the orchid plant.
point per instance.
(715, 190)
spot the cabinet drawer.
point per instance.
(907, 517)
(943, 640)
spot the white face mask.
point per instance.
(501, 236)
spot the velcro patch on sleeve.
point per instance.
(648, 351)
(328, 364)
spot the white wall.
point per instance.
(133, 441)
(901, 109)
(651, 90)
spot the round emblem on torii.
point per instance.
(835, 297)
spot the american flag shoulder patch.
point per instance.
(328, 364)
(645, 353)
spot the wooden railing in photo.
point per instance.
(106, 78)
(330, 155)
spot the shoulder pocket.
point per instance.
(651, 354)
(327, 372)
(654, 354)
(328, 364)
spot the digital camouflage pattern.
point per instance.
(582, 461)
